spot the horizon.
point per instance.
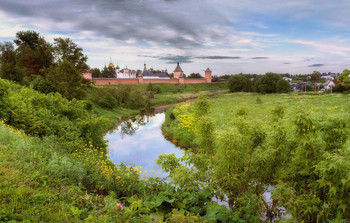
(229, 37)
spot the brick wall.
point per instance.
(105, 81)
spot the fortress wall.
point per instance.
(106, 81)
(195, 81)
(156, 81)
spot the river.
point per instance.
(139, 142)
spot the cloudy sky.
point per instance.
(229, 36)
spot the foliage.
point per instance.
(341, 88)
(45, 115)
(67, 79)
(9, 68)
(33, 53)
(267, 83)
(303, 157)
(108, 72)
(344, 77)
(194, 75)
(315, 77)
(66, 50)
(42, 85)
(282, 86)
(237, 83)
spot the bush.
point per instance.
(268, 83)
(237, 83)
(282, 86)
(65, 167)
(45, 115)
(42, 85)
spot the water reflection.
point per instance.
(139, 141)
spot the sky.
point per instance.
(228, 36)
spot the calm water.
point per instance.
(139, 142)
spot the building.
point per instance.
(287, 79)
(328, 85)
(178, 71)
(147, 74)
(125, 73)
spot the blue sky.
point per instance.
(229, 36)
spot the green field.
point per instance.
(115, 101)
(298, 144)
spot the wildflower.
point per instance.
(119, 206)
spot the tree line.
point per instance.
(47, 67)
(268, 83)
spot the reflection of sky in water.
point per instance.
(143, 147)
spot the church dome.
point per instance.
(111, 64)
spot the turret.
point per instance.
(178, 71)
(208, 75)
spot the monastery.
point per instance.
(127, 76)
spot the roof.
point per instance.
(178, 68)
(148, 73)
(208, 70)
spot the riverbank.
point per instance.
(53, 166)
(163, 96)
(248, 142)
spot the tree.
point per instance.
(194, 75)
(67, 50)
(8, 66)
(344, 77)
(33, 53)
(315, 77)
(282, 86)
(96, 72)
(67, 80)
(237, 83)
(267, 83)
(108, 72)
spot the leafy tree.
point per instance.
(42, 85)
(194, 75)
(237, 83)
(267, 83)
(344, 77)
(96, 72)
(8, 66)
(33, 53)
(67, 50)
(315, 77)
(67, 79)
(282, 86)
(108, 72)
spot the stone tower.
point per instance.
(208, 75)
(178, 71)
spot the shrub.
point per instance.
(65, 167)
(42, 85)
(282, 86)
(237, 83)
(45, 115)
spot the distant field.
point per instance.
(224, 108)
(173, 88)
(296, 144)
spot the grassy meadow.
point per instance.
(259, 108)
(297, 145)
(54, 167)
